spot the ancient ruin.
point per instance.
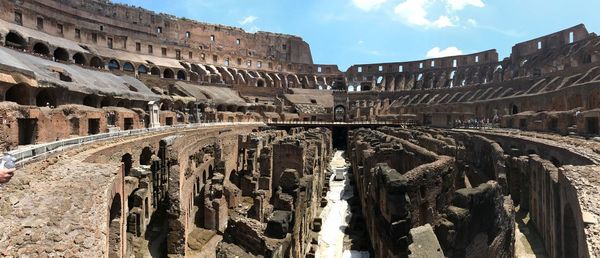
(146, 135)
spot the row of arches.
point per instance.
(192, 72)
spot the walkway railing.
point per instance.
(29, 152)
(340, 123)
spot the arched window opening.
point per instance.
(105, 103)
(41, 48)
(15, 40)
(181, 75)
(113, 65)
(146, 157)
(155, 71)
(60, 54)
(96, 62)
(89, 101)
(79, 58)
(127, 163)
(128, 67)
(45, 99)
(18, 94)
(168, 74)
(340, 113)
(515, 109)
(142, 69)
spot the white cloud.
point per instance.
(457, 5)
(248, 20)
(472, 22)
(443, 22)
(414, 12)
(436, 52)
(368, 5)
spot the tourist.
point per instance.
(6, 175)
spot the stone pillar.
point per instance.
(154, 114)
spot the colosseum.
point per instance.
(139, 134)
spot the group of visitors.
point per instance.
(478, 123)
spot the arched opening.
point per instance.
(105, 102)
(515, 109)
(15, 40)
(128, 67)
(164, 106)
(168, 74)
(41, 48)
(339, 113)
(90, 101)
(127, 163)
(45, 98)
(570, 241)
(350, 88)
(96, 62)
(142, 69)
(60, 54)
(155, 71)
(19, 94)
(260, 83)
(79, 58)
(114, 233)
(181, 75)
(146, 157)
(113, 65)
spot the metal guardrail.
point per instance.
(26, 153)
(338, 123)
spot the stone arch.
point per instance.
(41, 48)
(90, 101)
(146, 156)
(105, 102)
(96, 62)
(155, 71)
(114, 65)
(45, 98)
(165, 105)
(339, 113)
(142, 69)
(61, 54)
(168, 74)
(20, 93)
(569, 230)
(128, 67)
(127, 161)
(181, 75)
(16, 40)
(79, 59)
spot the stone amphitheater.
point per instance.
(140, 134)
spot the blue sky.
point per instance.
(346, 32)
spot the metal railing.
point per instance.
(338, 123)
(29, 152)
